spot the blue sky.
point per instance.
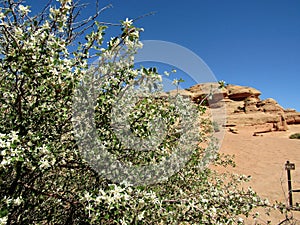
(246, 42)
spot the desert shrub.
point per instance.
(295, 136)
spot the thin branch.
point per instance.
(10, 34)
(11, 7)
(145, 15)
(91, 18)
(43, 12)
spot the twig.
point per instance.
(145, 15)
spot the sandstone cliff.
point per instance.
(243, 105)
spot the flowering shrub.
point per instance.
(44, 177)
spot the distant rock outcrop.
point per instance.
(243, 105)
(240, 93)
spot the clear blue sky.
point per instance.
(246, 42)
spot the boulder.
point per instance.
(292, 117)
(233, 130)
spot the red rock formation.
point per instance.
(243, 105)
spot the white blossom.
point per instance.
(127, 22)
(18, 201)
(123, 221)
(3, 220)
(141, 215)
(18, 31)
(24, 9)
(44, 163)
(1, 15)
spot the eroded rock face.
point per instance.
(292, 117)
(251, 104)
(270, 105)
(243, 105)
(249, 109)
(240, 93)
(251, 119)
(201, 91)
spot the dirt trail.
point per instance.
(263, 158)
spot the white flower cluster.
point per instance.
(3, 220)
(24, 10)
(9, 149)
(47, 158)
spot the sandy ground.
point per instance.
(263, 158)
